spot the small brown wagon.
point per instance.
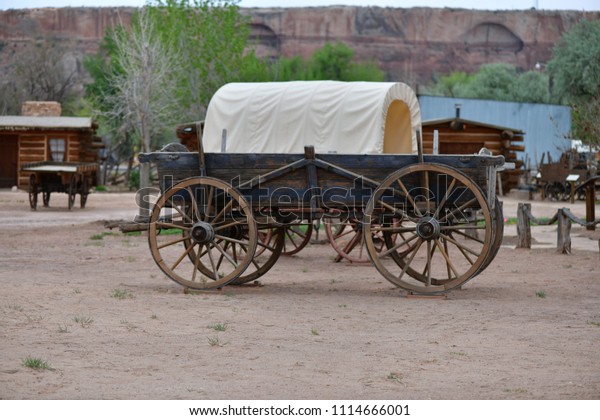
(65, 177)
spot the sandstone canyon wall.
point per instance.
(410, 45)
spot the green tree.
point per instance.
(532, 86)
(210, 37)
(451, 85)
(331, 62)
(575, 64)
(492, 81)
(575, 73)
(496, 81)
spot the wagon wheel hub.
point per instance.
(202, 233)
(428, 228)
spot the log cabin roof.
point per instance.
(21, 123)
(469, 122)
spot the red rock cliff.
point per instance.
(409, 44)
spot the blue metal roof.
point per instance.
(547, 127)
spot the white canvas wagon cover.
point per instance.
(334, 117)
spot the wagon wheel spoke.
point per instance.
(296, 238)
(462, 250)
(209, 203)
(216, 229)
(455, 224)
(346, 238)
(271, 241)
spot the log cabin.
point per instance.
(42, 135)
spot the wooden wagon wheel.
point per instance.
(270, 243)
(33, 192)
(555, 191)
(296, 237)
(446, 222)
(497, 232)
(72, 191)
(85, 190)
(46, 198)
(346, 237)
(208, 217)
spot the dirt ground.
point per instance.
(110, 325)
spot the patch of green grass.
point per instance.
(215, 342)
(130, 259)
(63, 328)
(343, 305)
(458, 353)
(84, 321)
(515, 390)
(305, 270)
(396, 377)
(36, 318)
(541, 294)
(128, 325)
(121, 294)
(101, 188)
(15, 307)
(36, 363)
(153, 316)
(594, 323)
(314, 331)
(218, 326)
(137, 233)
(173, 231)
(100, 236)
(515, 220)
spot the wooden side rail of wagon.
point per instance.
(67, 177)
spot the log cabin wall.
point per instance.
(81, 145)
(458, 136)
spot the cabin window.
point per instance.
(57, 149)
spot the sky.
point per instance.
(465, 4)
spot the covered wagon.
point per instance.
(275, 154)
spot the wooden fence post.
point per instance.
(590, 205)
(523, 226)
(563, 243)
